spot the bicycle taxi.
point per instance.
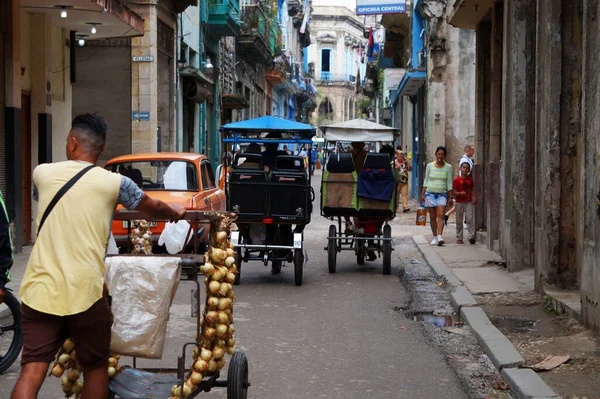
(270, 191)
(367, 200)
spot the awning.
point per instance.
(233, 101)
(268, 123)
(110, 18)
(467, 14)
(410, 84)
(358, 130)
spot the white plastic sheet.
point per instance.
(142, 290)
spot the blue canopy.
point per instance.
(268, 124)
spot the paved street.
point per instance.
(336, 336)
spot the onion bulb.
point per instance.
(213, 301)
(187, 390)
(111, 372)
(217, 255)
(217, 275)
(221, 237)
(73, 374)
(209, 332)
(77, 387)
(230, 350)
(230, 252)
(68, 345)
(205, 354)
(112, 361)
(200, 366)
(212, 366)
(224, 289)
(231, 342)
(176, 390)
(58, 370)
(229, 261)
(64, 359)
(221, 330)
(207, 269)
(73, 355)
(224, 303)
(195, 352)
(218, 353)
(214, 286)
(196, 378)
(223, 318)
(233, 269)
(230, 277)
(212, 316)
(220, 363)
(231, 329)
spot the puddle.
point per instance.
(438, 320)
(511, 324)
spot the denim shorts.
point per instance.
(435, 199)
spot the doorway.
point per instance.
(26, 166)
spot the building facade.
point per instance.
(337, 55)
(536, 112)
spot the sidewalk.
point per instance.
(516, 326)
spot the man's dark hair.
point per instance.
(91, 132)
(441, 148)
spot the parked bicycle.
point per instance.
(11, 330)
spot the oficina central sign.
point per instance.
(370, 7)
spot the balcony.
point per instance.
(254, 38)
(223, 18)
(276, 72)
(324, 76)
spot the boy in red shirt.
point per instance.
(465, 199)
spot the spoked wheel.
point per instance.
(237, 377)
(331, 249)
(238, 263)
(11, 332)
(298, 266)
(360, 251)
(387, 249)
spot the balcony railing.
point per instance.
(224, 17)
(255, 34)
(334, 77)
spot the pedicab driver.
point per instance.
(63, 293)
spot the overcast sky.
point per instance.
(351, 4)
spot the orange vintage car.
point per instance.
(173, 177)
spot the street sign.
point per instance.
(143, 58)
(140, 116)
(371, 7)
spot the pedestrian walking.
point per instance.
(63, 293)
(467, 157)
(403, 167)
(437, 193)
(465, 199)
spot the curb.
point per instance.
(524, 383)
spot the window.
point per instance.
(208, 178)
(163, 175)
(326, 64)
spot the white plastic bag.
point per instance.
(111, 248)
(142, 289)
(174, 235)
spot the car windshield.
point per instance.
(164, 175)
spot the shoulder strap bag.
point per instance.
(63, 190)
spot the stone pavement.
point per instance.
(475, 274)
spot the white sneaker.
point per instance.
(440, 241)
(434, 241)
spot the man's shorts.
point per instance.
(43, 334)
(433, 200)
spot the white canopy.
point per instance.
(358, 130)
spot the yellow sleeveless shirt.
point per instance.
(65, 272)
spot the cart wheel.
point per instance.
(360, 251)
(110, 395)
(237, 377)
(298, 266)
(238, 263)
(387, 249)
(331, 249)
